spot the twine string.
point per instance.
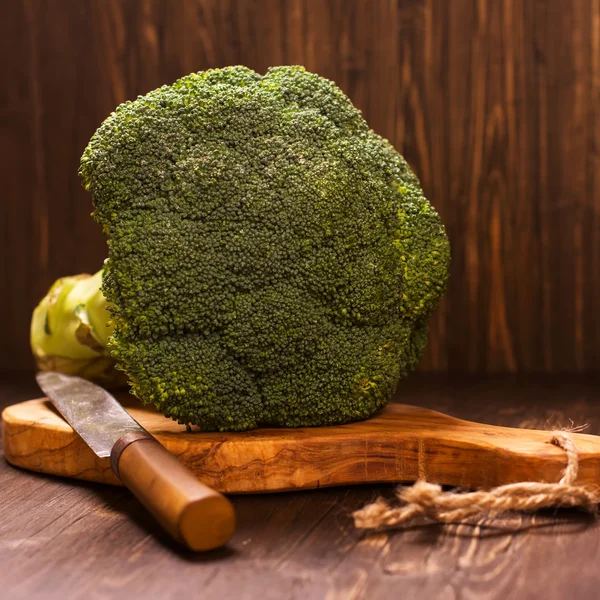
(428, 500)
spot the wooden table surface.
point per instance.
(67, 539)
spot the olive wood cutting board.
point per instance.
(401, 443)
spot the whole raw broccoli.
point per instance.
(272, 260)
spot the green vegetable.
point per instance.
(272, 261)
(70, 330)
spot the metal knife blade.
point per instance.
(90, 410)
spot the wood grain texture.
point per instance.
(495, 103)
(62, 538)
(401, 443)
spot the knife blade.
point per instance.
(90, 410)
(188, 510)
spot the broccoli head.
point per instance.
(272, 260)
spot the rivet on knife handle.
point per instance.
(188, 510)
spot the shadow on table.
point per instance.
(122, 501)
(549, 522)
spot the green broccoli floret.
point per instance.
(272, 260)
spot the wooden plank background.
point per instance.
(495, 103)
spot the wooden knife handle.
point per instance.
(188, 510)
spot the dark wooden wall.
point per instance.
(495, 103)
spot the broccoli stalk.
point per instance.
(272, 260)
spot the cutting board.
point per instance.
(401, 443)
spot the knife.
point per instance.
(191, 512)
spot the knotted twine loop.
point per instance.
(430, 501)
